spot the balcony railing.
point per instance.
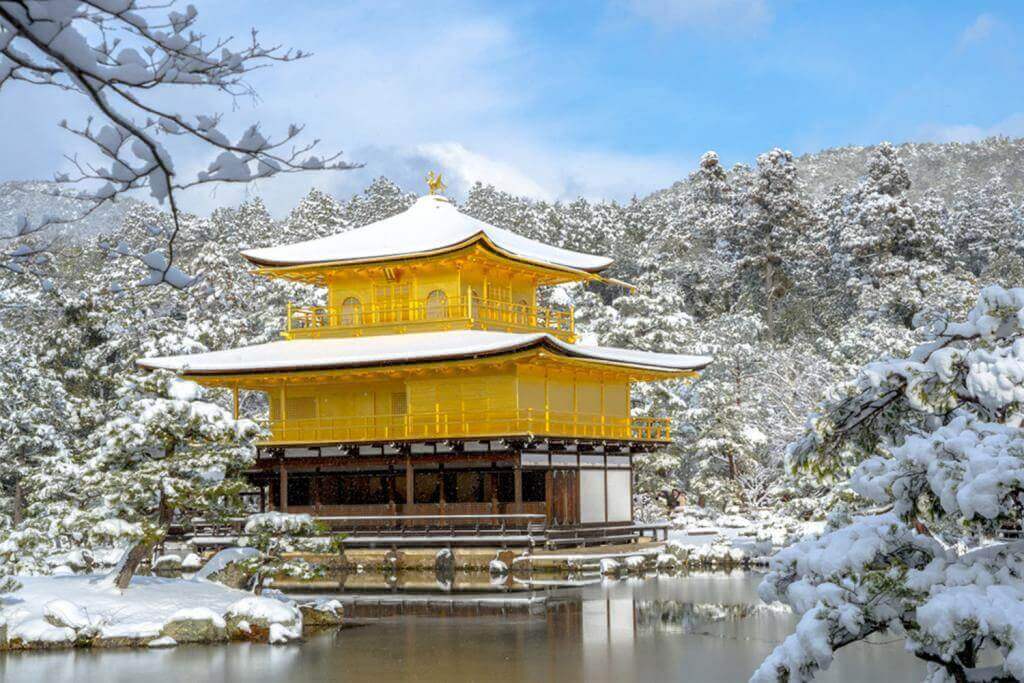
(344, 321)
(475, 424)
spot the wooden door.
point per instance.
(564, 497)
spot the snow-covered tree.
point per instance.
(938, 438)
(382, 199)
(166, 454)
(317, 215)
(774, 215)
(123, 58)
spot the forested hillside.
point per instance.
(791, 272)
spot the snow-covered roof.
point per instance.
(318, 354)
(431, 225)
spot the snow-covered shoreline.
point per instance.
(49, 612)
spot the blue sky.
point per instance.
(604, 98)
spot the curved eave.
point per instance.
(555, 347)
(270, 267)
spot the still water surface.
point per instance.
(696, 627)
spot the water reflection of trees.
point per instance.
(675, 616)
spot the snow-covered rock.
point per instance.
(635, 564)
(444, 562)
(610, 567)
(254, 618)
(497, 568)
(666, 561)
(223, 567)
(322, 613)
(195, 625)
(191, 562)
(162, 641)
(167, 565)
(66, 613)
(38, 634)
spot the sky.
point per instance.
(605, 99)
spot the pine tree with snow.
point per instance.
(167, 454)
(382, 199)
(773, 217)
(317, 215)
(938, 440)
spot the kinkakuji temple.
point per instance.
(432, 392)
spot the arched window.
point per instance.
(437, 305)
(351, 311)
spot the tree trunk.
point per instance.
(19, 503)
(130, 563)
(143, 549)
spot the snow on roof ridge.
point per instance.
(302, 354)
(431, 224)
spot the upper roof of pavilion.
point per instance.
(431, 226)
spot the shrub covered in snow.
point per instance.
(272, 535)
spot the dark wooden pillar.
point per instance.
(549, 494)
(440, 479)
(410, 489)
(282, 478)
(518, 479)
(316, 491)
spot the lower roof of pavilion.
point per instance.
(307, 359)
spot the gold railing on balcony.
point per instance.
(327, 321)
(468, 424)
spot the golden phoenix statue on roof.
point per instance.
(435, 183)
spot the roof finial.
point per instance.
(435, 183)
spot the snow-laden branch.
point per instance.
(118, 54)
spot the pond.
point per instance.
(701, 626)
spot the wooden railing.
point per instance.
(466, 424)
(328, 321)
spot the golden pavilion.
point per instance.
(433, 392)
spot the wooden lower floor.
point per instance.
(496, 487)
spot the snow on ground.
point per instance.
(60, 610)
(139, 612)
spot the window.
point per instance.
(505, 486)
(391, 302)
(499, 293)
(499, 303)
(351, 311)
(464, 486)
(361, 488)
(534, 486)
(427, 486)
(437, 305)
(300, 491)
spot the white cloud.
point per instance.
(723, 15)
(469, 167)
(979, 31)
(1012, 126)
(403, 88)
